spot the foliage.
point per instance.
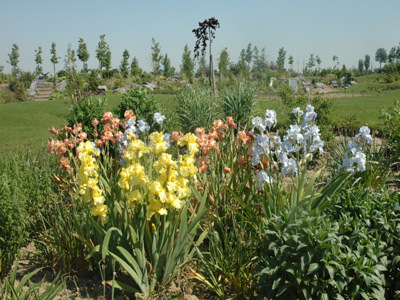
(145, 220)
(196, 107)
(187, 67)
(83, 54)
(391, 118)
(288, 97)
(367, 62)
(360, 65)
(93, 81)
(103, 54)
(316, 257)
(168, 69)
(25, 189)
(12, 289)
(156, 57)
(281, 59)
(381, 56)
(57, 244)
(38, 60)
(54, 58)
(57, 96)
(226, 262)
(85, 112)
(135, 70)
(223, 62)
(13, 58)
(124, 67)
(70, 60)
(205, 34)
(140, 102)
(238, 102)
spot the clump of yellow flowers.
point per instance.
(160, 187)
(89, 180)
(168, 184)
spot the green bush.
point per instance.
(57, 96)
(196, 107)
(350, 251)
(13, 217)
(25, 190)
(93, 81)
(85, 112)
(140, 102)
(238, 102)
(391, 131)
(6, 96)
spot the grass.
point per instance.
(357, 110)
(27, 123)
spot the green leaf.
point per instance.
(134, 272)
(330, 271)
(123, 286)
(313, 267)
(106, 241)
(275, 284)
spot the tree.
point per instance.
(202, 70)
(206, 32)
(360, 65)
(241, 65)
(223, 62)
(281, 59)
(311, 62)
(38, 60)
(70, 60)
(156, 57)
(381, 56)
(335, 62)
(124, 67)
(398, 52)
(187, 67)
(13, 58)
(392, 55)
(103, 54)
(168, 70)
(249, 55)
(291, 62)
(83, 54)
(318, 61)
(260, 60)
(367, 62)
(54, 58)
(135, 70)
(1, 68)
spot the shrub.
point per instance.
(238, 102)
(25, 190)
(196, 107)
(13, 218)
(348, 251)
(85, 112)
(93, 81)
(6, 96)
(57, 96)
(140, 102)
(391, 131)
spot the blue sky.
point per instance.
(348, 29)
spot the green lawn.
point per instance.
(364, 110)
(28, 122)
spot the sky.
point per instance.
(348, 29)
